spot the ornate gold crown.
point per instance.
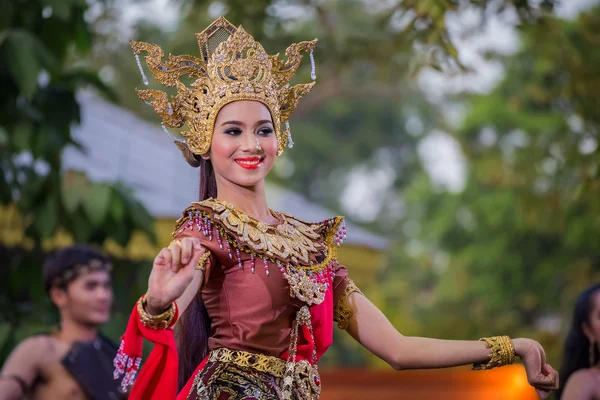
(233, 67)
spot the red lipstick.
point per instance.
(252, 162)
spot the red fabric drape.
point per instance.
(158, 377)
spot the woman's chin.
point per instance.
(249, 181)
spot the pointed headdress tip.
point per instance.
(222, 76)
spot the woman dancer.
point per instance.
(258, 291)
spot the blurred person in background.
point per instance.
(74, 361)
(579, 370)
(257, 291)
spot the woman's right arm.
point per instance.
(580, 386)
(174, 276)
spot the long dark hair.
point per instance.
(576, 353)
(193, 329)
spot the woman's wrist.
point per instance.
(154, 306)
(521, 346)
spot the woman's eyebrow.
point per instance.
(233, 123)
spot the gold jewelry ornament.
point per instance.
(202, 261)
(161, 321)
(301, 376)
(232, 67)
(342, 312)
(174, 242)
(502, 352)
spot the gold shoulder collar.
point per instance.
(292, 240)
(304, 252)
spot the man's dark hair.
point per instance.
(60, 268)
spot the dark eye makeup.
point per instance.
(266, 131)
(234, 131)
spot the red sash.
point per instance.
(158, 377)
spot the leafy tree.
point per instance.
(512, 250)
(367, 53)
(42, 43)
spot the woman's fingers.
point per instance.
(196, 256)
(189, 268)
(164, 257)
(546, 382)
(187, 247)
(542, 354)
(543, 393)
(175, 249)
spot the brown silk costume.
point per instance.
(252, 305)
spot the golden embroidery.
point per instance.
(219, 380)
(342, 311)
(260, 362)
(304, 253)
(288, 240)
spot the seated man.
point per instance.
(74, 361)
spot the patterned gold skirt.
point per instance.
(236, 375)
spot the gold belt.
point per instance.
(259, 362)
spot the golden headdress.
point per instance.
(233, 67)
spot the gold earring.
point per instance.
(592, 354)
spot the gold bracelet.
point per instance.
(202, 261)
(161, 321)
(502, 352)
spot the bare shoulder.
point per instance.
(584, 375)
(37, 349)
(38, 344)
(581, 384)
(34, 345)
(25, 361)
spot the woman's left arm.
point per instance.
(369, 326)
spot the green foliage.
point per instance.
(37, 111)
(39, 40)
(367, 53)
(42, 43)
(520, 241)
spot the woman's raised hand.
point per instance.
(172, 272)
